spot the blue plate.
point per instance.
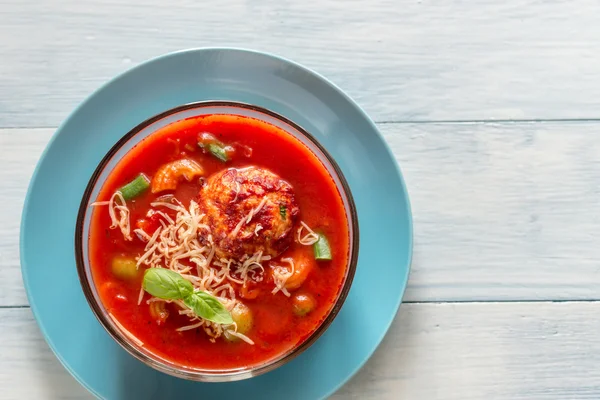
(61, 176)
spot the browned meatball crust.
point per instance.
(249, 210)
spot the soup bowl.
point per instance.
(82, 234)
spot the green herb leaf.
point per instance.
(166, 284)
(169, 285)
(208, 307)
(218, 151)
(283, 212)
(322, 249)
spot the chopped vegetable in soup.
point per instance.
(219, 242)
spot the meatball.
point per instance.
(249, 210)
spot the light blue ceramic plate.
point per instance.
(57, 186)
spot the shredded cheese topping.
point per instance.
(281, 275)
(118, 212)
(308, 239)
(247, 218)
(176, 245)
(183, 243)
(141, 295)
(239, 335)
(237, 192)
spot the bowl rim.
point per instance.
(229, 375)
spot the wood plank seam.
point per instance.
(414, 122)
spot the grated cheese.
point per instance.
(247, 218)
(237, 192)
(175, 245)
(143, 236)
(117, 205)
(310, 238)
(183, 243)
(256, 210)
(188, 327)
(250, 268)
(281, 275)
(141, 296)
(240, 335)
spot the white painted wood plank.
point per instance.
(19, 151)
(500, 351)
(28, 368)
(419, 60)
(501, 211)
(512, 351)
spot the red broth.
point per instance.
(277, 329)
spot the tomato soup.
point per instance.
(219, 242)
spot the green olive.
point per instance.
(303, 304)
(242, 316)
(124, 267)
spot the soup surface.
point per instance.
(219, 242)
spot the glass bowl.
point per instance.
(102, 172)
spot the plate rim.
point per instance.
(169, 55)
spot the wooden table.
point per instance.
(493, 112)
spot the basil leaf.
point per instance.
(166, 284)
(208, 307)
